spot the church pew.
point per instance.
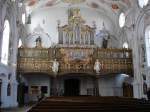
(91, 104)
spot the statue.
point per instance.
(105, 42)
(55, 66)
(97, 66)
(38, 42)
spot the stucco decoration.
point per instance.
(32, 2)
(73, 1)
(38, 32)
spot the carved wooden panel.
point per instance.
(75, 60)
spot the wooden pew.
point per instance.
(91, 104)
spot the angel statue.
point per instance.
(97, 66)
(55, 66)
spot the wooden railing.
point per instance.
(41, 60)
(115, 60)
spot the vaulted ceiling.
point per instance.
(109, 8)
(48, 10)
(102, 5)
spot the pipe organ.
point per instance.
(76, 33)
(75, 52)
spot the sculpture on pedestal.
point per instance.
(55, 66)
(38, 42)
(97, 66)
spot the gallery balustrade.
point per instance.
(75, 60)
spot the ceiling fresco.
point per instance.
(98, 4)
(73, 1)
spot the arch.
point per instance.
(125, 45)
(23, 18)
(9, 89)
(19, 43)
(122, 19)
(142, 3)
(5, 42)
(9, 76)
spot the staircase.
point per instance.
(91, 104)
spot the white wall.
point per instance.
(111, 85)
(106, 86)
(37, 80)
(47, 18)
(86, 83)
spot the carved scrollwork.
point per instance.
(76, 60)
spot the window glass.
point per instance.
(125, 45)
(9, 90)
(23, 18)
(143, 3)
(122, 20)
(20, 43)
(5, 43)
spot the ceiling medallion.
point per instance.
(73, 1)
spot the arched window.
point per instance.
(20, 43)
(23, 18)
(5, 43)
(9, 90)
(125, 45)
(122, 20)
(147, 42)
(142, 3)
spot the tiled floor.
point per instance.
(19, 109)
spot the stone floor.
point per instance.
(19, 109)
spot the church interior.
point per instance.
(74, 49)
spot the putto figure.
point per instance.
(97, 66)
(55, 66)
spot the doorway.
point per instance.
(72, 87)
(127, 90)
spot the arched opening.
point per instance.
(122, 20)
(19, 43)
(125, 45)
(23, 18)
(142, 3)
(72, 87)
(9, 90)
(5, 43)
(147, 44)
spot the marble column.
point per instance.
(4, 98)
(137, 89)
